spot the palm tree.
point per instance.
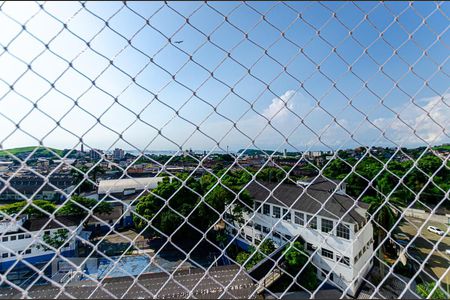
(384, 217)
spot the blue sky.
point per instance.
(240, 82)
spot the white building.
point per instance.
(23, 236)
(343, 248)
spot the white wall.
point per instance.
(18, 245)
(343, 274)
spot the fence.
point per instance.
(351, 98)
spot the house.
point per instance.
(321, 214)
(22, 236)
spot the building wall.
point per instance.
(343, 274)
(19, 242)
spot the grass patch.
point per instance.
(41, 151)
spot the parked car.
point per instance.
(436, 230)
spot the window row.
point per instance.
(345, 260)
(21, 236)
(275, 234)
(342, 230)
(363, 250)
(6, 254)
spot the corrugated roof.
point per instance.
(119, 185)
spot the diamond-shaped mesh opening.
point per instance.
(224, 150)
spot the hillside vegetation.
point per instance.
(41, 151)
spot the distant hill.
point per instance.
(41, 151)
(444, 147)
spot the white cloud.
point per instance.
(429, 122)
(279, 106)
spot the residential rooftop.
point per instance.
(318, 196)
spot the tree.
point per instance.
(203, 200)
(78, 177)
(72, 206)
(384, 218)
(265, 248)
(296, 258)
(424, 290)
(242, 257)
(30, 210)
(56, 240)
(95, 172)
(336, 169)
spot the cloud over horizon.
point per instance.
(280, 106)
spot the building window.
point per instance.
(4, 239)
(287, 237)
(21, 236)
(266, 209)
(276, 212)
(28, 251)
(4, 255)
(299, 218)
(343, 231)
(46, 232)
(258, 207)
(248, 238)
(327, 253)
(27, 236)
(309, 247)
(287, 215)
(346, 261)
(257, 242)
(312, 222)
(258, 227)
(265, 229)
(13, 238)
(276, 235)
(327, 225)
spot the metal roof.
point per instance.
(119, 185)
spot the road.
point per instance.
(439, 262)
(157, 285)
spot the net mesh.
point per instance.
(351, 201)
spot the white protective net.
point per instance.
(321, 166)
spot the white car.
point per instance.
(436, 230)
(447, 251)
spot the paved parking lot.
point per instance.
(439, 262)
